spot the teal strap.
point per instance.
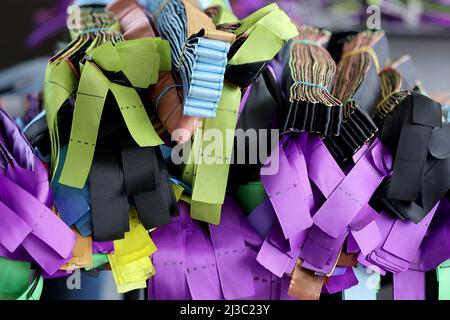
(166, 90)
(34, 291)
(312, 85)
(305, 41)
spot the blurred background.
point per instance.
(32, 30)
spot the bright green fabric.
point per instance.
(34, 291)
(98, 259)
(250, 195)
(443, 278)
(13, 278)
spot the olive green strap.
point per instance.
(140, 61)
(211, 174)
(268, 30)
(60, 83)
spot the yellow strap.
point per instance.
(178, 190)
(130, 262)
(368, 50)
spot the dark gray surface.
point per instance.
(431, 56)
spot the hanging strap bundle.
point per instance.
(30, 231)
(199, 53)
(312, 108)
(111, 136)
(167, 94)
(357, 85)
(260, 37)
(392, 96)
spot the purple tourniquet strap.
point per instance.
(394, 254)
(287, 197)
(352, 194)
(244, 99)
(346, 207)
(409, 285)
(322, 168)
(363, 218)
(35, 182)
(352, 245)
(277, 260)
(435, 247)
(15, 141)
(262, 218)
(360, 153)
(267, 285)
(13, 228)
(102, 246)
(415, 233)
(338, 283)
(151, 289)
(367, 238)
(48, 230)
(296, 158)
(369, 265)
(251, 236)
(231, 254)
(326, 238)
(169, 281)
(319, 257)
(191, 263)
(201, 269)
(262, 278)
(20, 254)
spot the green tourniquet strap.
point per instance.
(212, 172)
(140, 60)
(225, 15)
(268, 30)
(189, 169)
(135, 116)
(60, 83)
(99, 259)
(250, 195)
(89, 104)
(443, 278)
(256, 16)
(14, 276)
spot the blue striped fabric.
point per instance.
(201, 62)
